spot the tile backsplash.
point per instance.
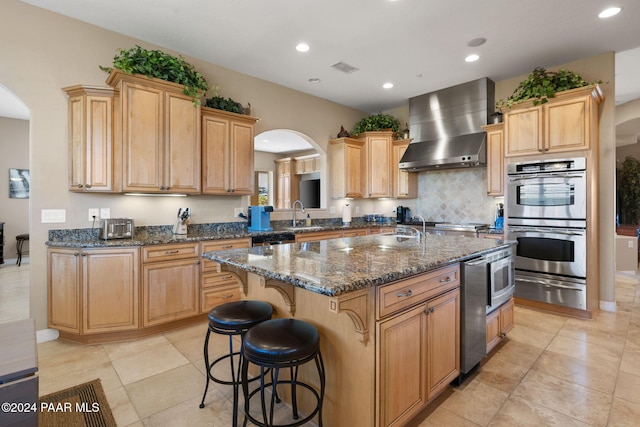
(456, 195)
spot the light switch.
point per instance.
(105, 213)
(48, 216)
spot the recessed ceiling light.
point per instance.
(387, 85)
(608, 13)
(472, 58)
(477, 42)
(314, 80)
(302, 47)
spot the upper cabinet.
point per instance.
(347, 163)
(90, 138)
(495, 159)
(378, 163)
(227, 153)
(568, 122)
(404, 185)
(157, 127)
(286, 183)
(307, 164)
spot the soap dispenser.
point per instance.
(308, 221)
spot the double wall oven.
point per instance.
(547, 216)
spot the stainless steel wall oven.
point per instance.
(546, 215)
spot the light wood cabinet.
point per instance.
(317, 236)
(421, 316)
(158, 128)
(568, 122)
(90, 138)
(495, 159)
(286, 183)
(355, 232)
(307, 164)
(227, 153)
(404, 184)
(499, 323)
(218, 287)
(347, 157)
(170, 285)
(93, 290)
(378, 163)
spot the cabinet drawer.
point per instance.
(314, 237)
(400, 295)
(210, 298)
(219, 245)
(355, 233)
(211, 280)
(169, 252)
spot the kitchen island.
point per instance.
(387, 308)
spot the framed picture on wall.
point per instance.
(19, 183)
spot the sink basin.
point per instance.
(314, 227)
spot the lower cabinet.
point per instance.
(93, 290)
(318, 235)
(499, 322)
(170, 287)
(428, 332)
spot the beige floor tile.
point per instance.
(444, 417)
(196, 330)
(122, 408)
(136, 424)
(595, 354)
(167, 389)
(501, 374)
(540, 320)
(631, 359)
(517, 353)
(477, 402)
(147, 363)
(519, 412)
(570, 399)
(600, 377)
(628, 387)
(584, 331)
(527, 335)
(118, 350)
(108, 378)
(78, 358)
(624, 414)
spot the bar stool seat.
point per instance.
(276, 344)
(232, 319)
(20, 239)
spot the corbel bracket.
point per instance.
(356, 306)
(286, 290)
(241, 276)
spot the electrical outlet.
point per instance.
(105, 213)
(53, 216)
(357, 209)
(94, 213)
(237, 211)
(332, 209)
(630, 244)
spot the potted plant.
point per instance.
(220, 103)
(160, 65)
(629, 190)
(376, 122)
(541, 85)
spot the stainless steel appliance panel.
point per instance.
(564, 291)
(473, 303)
(551, 250)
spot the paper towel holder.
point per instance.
(346, 214)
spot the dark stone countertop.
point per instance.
(336, 266)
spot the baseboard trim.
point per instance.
(608, 306)
(45, 335)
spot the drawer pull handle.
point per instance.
(172, 252)
(228, 277)
(405, 294)
(227, 296)
(446, 279)
(226, 246)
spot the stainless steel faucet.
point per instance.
(424, 225)
(293, 223)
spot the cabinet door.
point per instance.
(506, 317)
(404, 184)
(346, 161)
(443, 342)
(493, 329)
(64, 287)
(567, 125)
(181, 157)
(401, 365)
(110, 290)
(142, 138)
(523, 129)
(495, 161)
(90, 139)
(241, 162)
(215, 154)
(355, 233)
(317, 236)
(169, 291)
(213, 297)
(378, 166)
(283, 191)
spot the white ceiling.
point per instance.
(418, 45)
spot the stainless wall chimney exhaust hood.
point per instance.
(446, 127)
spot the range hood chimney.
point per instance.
(446, 127)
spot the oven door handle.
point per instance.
(546, 230)
(546, 175)
(547, 285)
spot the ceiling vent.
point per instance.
(344, 67)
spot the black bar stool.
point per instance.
(20, 239)
(276, 344)
(232, 319)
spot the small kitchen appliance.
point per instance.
(499, 220)
(180, 227)
(116, 228)
(403, 214)
(260, 218)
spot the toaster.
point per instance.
(116, 228)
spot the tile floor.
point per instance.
(552, 370)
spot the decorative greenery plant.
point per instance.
(376, 122)
(160, 65)
(541, 85)
(629, 190)
(224, 104)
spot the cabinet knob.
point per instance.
(446, 279)
(87, 186)
(76, 254)
(79, 186)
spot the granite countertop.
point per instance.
(336, 266)
(158, 235)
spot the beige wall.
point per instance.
(43, 52)
(601, 67)
(14, 153)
